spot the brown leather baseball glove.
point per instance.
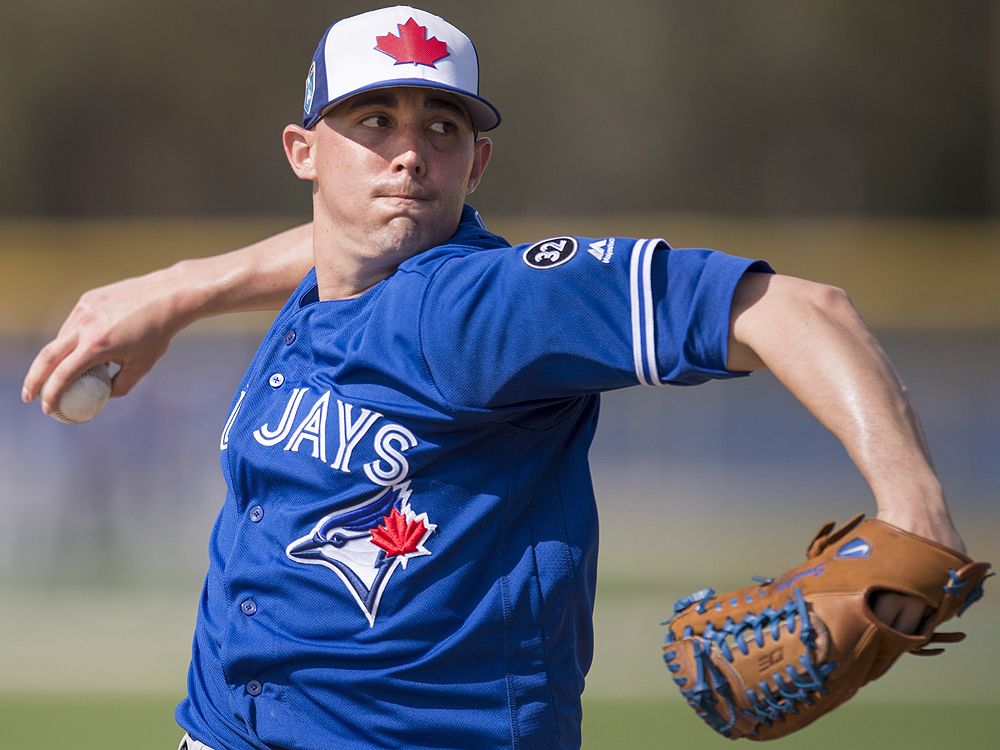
(767, 660)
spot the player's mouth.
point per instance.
(408, 195)
(405, 199)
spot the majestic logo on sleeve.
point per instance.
(366, 543)
(550, 253)
(603, 249)
(412, 45)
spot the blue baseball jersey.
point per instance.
(406, 555)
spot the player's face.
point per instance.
(393, 168)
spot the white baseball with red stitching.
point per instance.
(84, 398)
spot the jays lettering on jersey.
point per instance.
(406, 556)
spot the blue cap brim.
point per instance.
(483, 114)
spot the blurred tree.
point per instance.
(772, 106)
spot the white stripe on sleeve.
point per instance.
(642, 303)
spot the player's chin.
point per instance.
(406, 235)
(408, 216)
(419, 223)
(422, 218)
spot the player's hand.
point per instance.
(937, 526)
(900, 612)
(905, 613)
(129, 323)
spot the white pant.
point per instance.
(187, 743)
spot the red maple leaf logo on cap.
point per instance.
(412, 45)
(399, 535)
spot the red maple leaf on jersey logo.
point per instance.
(412, 45)
(399, 535)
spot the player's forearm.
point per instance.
(131, 322)
(815, 343)
(256, 277)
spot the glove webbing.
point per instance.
(771, 703)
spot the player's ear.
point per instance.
(299, 143)
(480, 158)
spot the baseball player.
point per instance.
(406, 554)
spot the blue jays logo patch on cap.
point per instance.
(412, 45)
(310, 87)
(856, 548)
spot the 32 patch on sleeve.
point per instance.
(550, 253)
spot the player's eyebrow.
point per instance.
(435, 102)
(370, 99)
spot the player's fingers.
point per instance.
(47, 359)
(884, 607)
(902, 613)
(125, 379)
(72, 366)
(910, 616)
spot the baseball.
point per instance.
(84, 398)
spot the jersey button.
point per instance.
(276, 380)
(256, 513)
(249, 607)
(254, 688)
(290, 338)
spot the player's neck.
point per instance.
(337, 279)
(348, 266)
(348, 263)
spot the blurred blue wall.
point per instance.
(129, 498)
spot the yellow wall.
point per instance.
(902, 273)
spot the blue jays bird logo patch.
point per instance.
(310, 88)
(366, 543)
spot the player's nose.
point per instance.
(409, 153)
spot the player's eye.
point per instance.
(443, 127)
(376, 121)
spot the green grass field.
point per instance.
(110, 722)
(110, 681)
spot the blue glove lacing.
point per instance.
(955, 584)
(768, 703)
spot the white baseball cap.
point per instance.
(399, 46)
